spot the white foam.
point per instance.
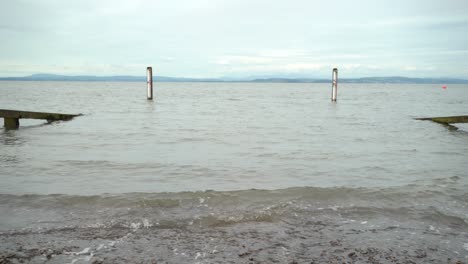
(432, 228)
(135, 225)
(462, 126)
(146, 223)
(88, 258)
(95, 225)
(83, 252)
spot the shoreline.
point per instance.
(314, 239)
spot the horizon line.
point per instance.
(223, 78)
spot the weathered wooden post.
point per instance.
(11, 123)
(334, 84)
(149, 82)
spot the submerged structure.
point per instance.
(12, 117)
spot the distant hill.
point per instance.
(91, 78)
(126, 78)
(401, 80)
(398, 79)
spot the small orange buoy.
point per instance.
(444, 86)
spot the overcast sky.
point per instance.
(214, 38)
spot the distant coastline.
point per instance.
(125, 78)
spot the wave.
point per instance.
(331, 217)
(410, 194)
(223, 208)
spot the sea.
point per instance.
(234, 173)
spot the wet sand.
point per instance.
(315, 241)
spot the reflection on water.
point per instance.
(10, 137)
(9, 141)
(8, 159)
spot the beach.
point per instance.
(234, 173)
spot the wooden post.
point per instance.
(11, 123)
(149, 82)
(334, 84)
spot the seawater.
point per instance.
(274, 172)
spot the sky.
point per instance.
(235, 38)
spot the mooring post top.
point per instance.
(149, 68)
(335, 69)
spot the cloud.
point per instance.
(282, 53)
(234, 60)
(276, 68)
(289, 61)
(204, 37)
(266, 56)
(167, 59)
(301, 63)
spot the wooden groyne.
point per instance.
(11, 117)
(446, 119)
